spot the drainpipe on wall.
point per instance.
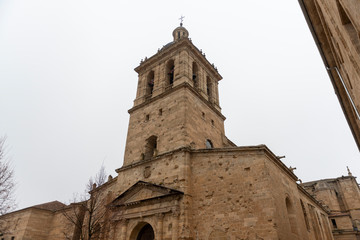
(346, 89)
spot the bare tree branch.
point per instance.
(7, 187)
(86, 218)
(7, 182)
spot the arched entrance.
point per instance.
(146, 233)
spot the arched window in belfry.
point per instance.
(209, 88)
(195, 75)
(209, 144)
(150, 147)
(291, 215)
(170, 67)
(150, 83)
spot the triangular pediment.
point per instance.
(143, 191)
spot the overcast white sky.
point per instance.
(67, 81)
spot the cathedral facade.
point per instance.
(182, 178)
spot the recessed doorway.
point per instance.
(146, 233)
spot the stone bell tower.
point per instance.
(177, 102)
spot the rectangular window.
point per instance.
(333, 223)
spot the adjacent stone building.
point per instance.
(335, 26)
(342, 197)
(182, 177)
(35, 222)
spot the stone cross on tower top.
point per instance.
(180, 32)
(181, 20)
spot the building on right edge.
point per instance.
(335, 26)
(342, 197)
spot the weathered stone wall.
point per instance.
(294, 220)
(202, 123)
(345, 37)
(241, 194)
(16, 223)
(343, 223)
(231, 196)
(350, 190)
(342, 196)
(171, 170)
(60, 227)
(38, 224)
(179, 119)
(167, 126)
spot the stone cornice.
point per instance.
(135, 164)
(327, 180)
(263, 148)
(150, 212)
(109, 182)
(177, 45)
(173, 89)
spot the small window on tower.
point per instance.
(212, 122)
(194, 74)
(209, 144)
(209, 87)
(170, 68)
(333, 223)
(150, 148)
(150, 83)
(147, 117)
(160, 112)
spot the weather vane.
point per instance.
(181, 20)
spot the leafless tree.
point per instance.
(100, 179)
(86, 216)
(7, 186)
(7, 181)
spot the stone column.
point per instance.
(201, 79)
(157, 81)
(217, 92)
(160, 224)
(113, 227)
(141, 90)
(162, 77)
(175, 224)
(124, 224)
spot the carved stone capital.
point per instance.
(175, 212)
(160, 216)
(124, 221)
